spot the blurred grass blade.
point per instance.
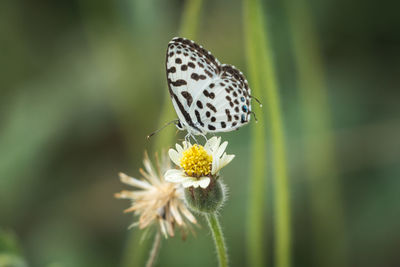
(256, 224)
(189, 25)
(190, 19)
(260, 62)
(327, 208)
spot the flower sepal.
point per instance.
(206, 200)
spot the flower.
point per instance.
(156, 200)
(198, 164)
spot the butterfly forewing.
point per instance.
(207, 96)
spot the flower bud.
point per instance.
(206, 200)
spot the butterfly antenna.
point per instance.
(258, 101)
(158, 130)
(254, 114)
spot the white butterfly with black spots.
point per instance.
(208, 97)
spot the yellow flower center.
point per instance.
(196, 161)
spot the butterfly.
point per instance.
(208, 96)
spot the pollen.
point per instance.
(196, 161)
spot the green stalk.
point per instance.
(260, 58)
(189, 25)
(327, 208)
(218, 236)
(255, 224)
(190, 19)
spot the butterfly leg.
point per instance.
(194, 138)
(187, 137)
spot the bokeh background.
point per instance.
(82, 83)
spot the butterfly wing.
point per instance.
(190, 68)
(207, 96)
(225, 104)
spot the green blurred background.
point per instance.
(82, 84)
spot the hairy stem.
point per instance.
(218, 236)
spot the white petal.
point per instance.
(220, 163)
(179, 149)
(212, 144)
(217, 144)
(207, 145)
(186, 145)
(204, 182)
(208, 150)
(174, 172)
(221, 149)
(190, 183)
(175, 176)
(228, 159)
(174, 155)
(215, 165)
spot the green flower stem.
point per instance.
(219, 241)
(155, 250)
(189, 25)
(261, 64)
(326, 204)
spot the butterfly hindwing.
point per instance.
(225, 103)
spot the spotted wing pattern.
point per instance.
(207, 96)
